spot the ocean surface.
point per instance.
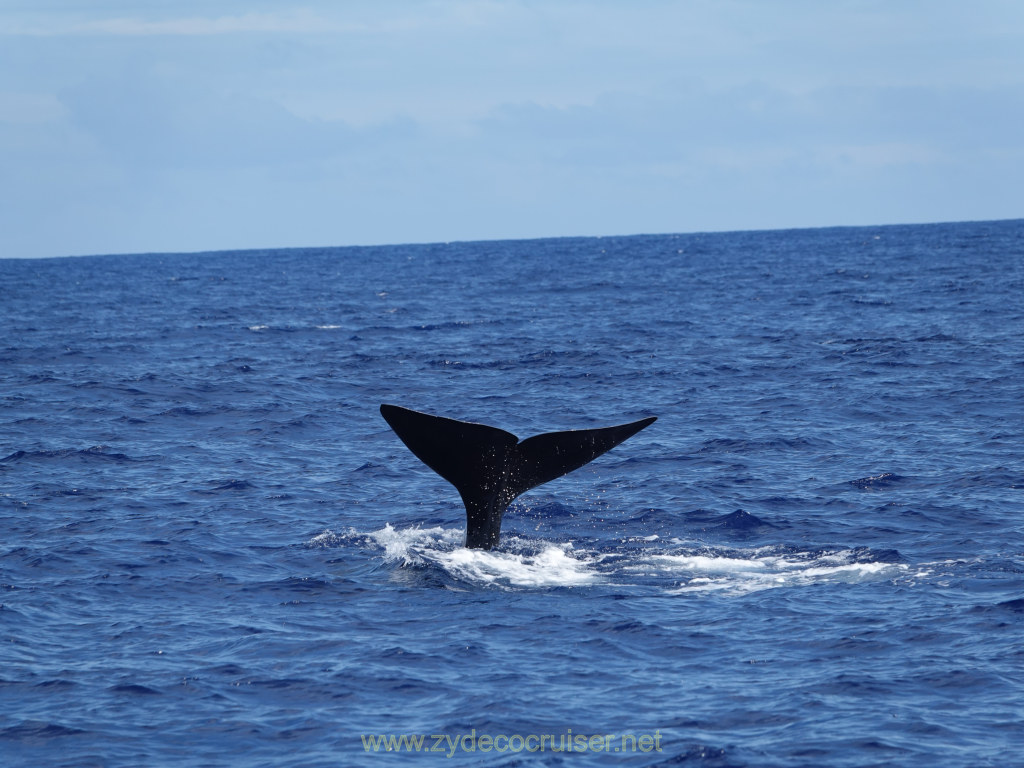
(215, 552)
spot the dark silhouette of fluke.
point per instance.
(490, 467)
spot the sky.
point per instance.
(179, 125)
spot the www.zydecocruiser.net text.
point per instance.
(453, 744)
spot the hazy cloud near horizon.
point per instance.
(203, 126)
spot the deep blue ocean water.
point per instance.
(215, 552)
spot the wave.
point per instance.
(98, 452)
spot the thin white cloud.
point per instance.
(446, 16)
(299, 22)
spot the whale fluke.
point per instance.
(490, 467)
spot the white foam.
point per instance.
(522, 563)
(553, 566)
(735, 574)
(519, 563)
(397, 544)
(410, 544)
(326, 539)
(701, 563)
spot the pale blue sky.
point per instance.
(187, 125)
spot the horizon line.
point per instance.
(425, 243)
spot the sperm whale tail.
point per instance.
(490, 467)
